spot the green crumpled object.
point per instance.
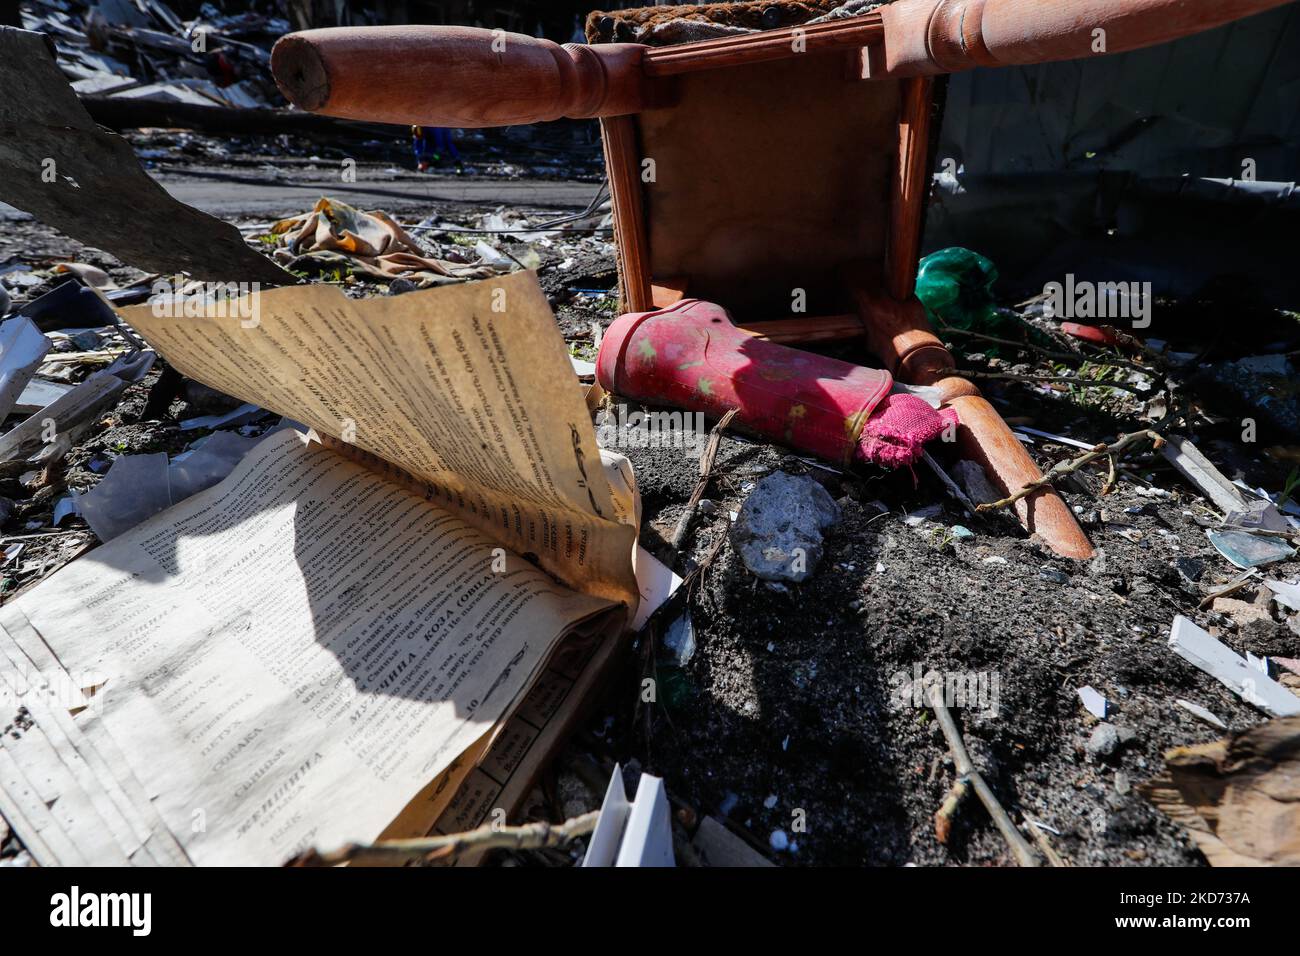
(956, 287)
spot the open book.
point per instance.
(346, 638)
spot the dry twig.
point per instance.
(1063, 468)
(530, 836)
(971, 777)
(706, 472)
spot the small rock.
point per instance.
(770, 802)
(778, 841)
(400, 286)
(1241, 612)
(1103, 742)
(778, 531)
(995, 559)
(1097, 566)
(87, 340)
(707, 507)
(1048, 573)
(1122, 785)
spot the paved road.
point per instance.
(244, 192)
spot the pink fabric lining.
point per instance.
(899, 427)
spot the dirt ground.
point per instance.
(804, 695)
(795, 719)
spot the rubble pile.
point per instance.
(141, 49)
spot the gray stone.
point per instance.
(1104, 741)
(1054, 576)
(778, 531)
(87, 341)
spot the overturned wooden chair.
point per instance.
(748, 169)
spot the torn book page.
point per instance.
(248, 676)
(464, 391)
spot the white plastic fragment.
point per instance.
(1059, 439)
(236, 416)
(135, 489)
(602, 848)
(1196, 710)
(22, 346)
(67, 505)
(1093, 701)
(636, 833)
(656, 583)
(38, 393)
(207, 464)
(920, 515)
(1284, 593)
(1202, 473)
(582, 368)
(1203, 651)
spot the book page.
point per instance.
(290, 657)
(467, 388)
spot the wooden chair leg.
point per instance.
(899, 334)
